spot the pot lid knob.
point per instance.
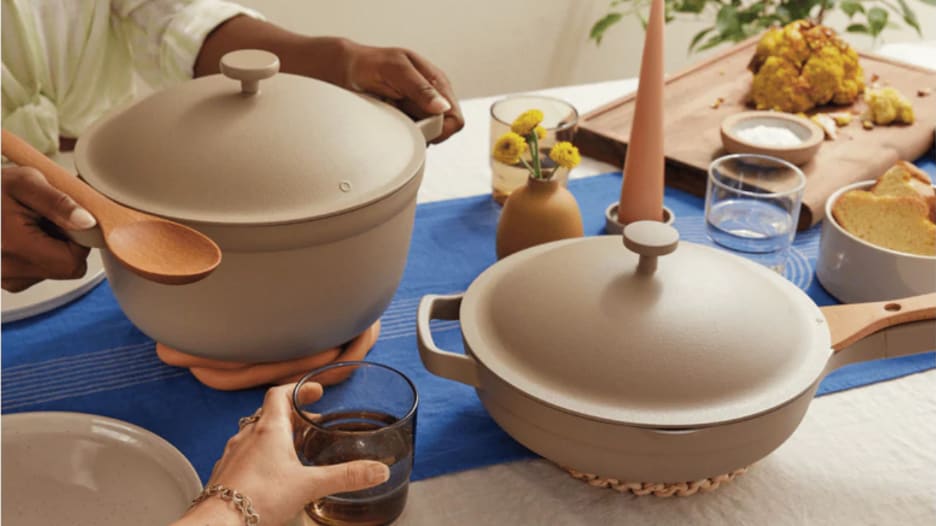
(650, 239)
(249, 66)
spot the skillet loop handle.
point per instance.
(458, 367)
(650, 240)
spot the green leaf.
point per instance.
(784, 15)
(798, 9)
(750, 13)
(877, 19)
(689, 6)
(602, 25)
(850, 7)
(712, 42)
(699, 36)
(726, 22)
(857, 28)
(910, 17)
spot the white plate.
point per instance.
(51, 293)
(80, 469)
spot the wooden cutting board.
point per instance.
(693, 140)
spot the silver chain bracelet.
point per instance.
(241, 502)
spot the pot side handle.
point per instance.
(431, 127)
(91, 238)
(850, 323)
(458, 367)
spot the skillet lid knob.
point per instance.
(249, 66)
(650, 239)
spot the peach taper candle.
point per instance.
(642, 189)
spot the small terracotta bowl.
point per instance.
(854, 270)
(808, 132)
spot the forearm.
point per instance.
(323, 58)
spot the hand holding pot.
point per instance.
(405, 78)
(413, 83)
(33, 211)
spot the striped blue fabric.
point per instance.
(87, 356)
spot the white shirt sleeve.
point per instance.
(165, 36)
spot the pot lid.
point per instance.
(695, 338)
(251, 146)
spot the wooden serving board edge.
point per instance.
(610, 147)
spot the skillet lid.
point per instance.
(251, 146)
(587, 326)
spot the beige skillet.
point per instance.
(648, 370)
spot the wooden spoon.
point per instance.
(152, 247)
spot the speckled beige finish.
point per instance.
(663, 367)
(86, 470)
(309, 190)
(854, 270)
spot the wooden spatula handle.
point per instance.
(850, 323)
(22, 153)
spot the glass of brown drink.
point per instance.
(369, 415)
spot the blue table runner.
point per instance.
(87, 357)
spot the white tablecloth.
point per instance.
(865, 456)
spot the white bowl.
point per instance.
(854, 270)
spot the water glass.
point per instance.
(370, 414)
(559, 119)
(752, 205)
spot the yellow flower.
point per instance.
(540, 132)
(509, 147)
(526, 122)
(565, 154)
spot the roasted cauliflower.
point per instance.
(803, 65)
(888, 106)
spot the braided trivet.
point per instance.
(679, 489)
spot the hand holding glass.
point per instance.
(370, 415)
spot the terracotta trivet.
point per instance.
(229, 376)
(657, 489)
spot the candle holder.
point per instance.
(614, 226)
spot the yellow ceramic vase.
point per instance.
(538, 212)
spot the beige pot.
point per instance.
(653, 369)
(854, 270)
(309, 190)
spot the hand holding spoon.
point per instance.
(152, 247)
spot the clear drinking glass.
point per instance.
(752, 205)
(370, 415)
(560, 120)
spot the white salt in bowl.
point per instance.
(788, 137)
